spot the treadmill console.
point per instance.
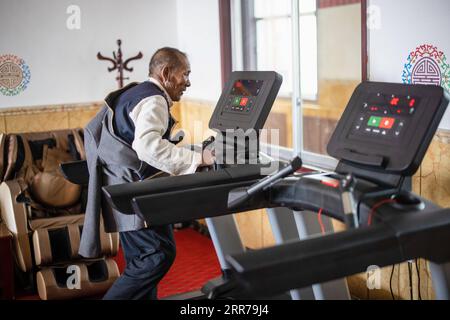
(246, 100)
(388, 126)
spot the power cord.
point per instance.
(418, 278)
(375, 207)
(378, 193)
(371, 195)
(417, 262)
(390, 282)
(411, 294)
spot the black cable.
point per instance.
(411, 295)
(418, 278)
(390, 282)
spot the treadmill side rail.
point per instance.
(318, 260)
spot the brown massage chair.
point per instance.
(45, 213)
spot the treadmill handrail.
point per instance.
(195, 206)
(120, 196)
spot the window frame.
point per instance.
(231, 9)
(314, 159)
(248, 49)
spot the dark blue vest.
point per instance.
(125, 103)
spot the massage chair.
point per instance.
(45, 213)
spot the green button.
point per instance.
(374, 122)
(236, 101)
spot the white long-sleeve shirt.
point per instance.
(151, 120)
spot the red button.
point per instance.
(387, 123)
(244, 102)
(395, 101)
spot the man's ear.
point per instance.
(165, 73)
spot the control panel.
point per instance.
(243, 95)
(246, 100)
(385, 116)
(388, 126)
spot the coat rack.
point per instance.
(119, 64)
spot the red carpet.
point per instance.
(196, 263)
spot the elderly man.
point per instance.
(127, 141)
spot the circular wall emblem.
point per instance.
(426, 71)
(427, 65)
(14, 75)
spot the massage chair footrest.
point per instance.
(76, 280)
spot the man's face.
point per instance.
(179, 80)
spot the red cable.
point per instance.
(319, 217)
(375, 207)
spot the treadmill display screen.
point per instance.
(247, 88)
(385, 116)
(388, 127)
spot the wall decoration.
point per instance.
(427, 65)
(14, 75)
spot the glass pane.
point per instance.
(274, 49)
(271, 8)
(339, 69)
(307, 6)
(308, 56)
(274, 53)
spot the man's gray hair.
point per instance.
(167, 56)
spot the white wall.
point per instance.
(63, 63)
(199, 37)
(404, 25)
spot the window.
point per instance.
(267, 41)
(321, 39)
(262, 40)
(338, 59)
(274, 39)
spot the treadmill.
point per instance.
(380, 142)
(240, 114)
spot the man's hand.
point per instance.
(208, 157)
